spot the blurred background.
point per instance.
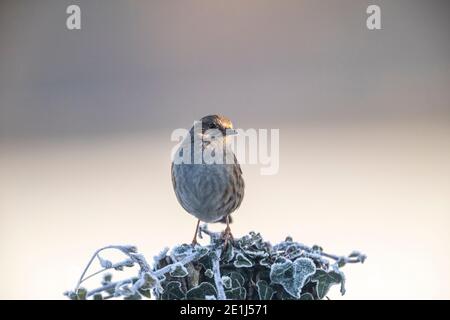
(364, 119)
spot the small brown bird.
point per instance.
(209, 191)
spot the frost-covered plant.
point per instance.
(246, 269)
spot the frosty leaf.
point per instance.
(226, 282)
(206, 262)
(236, 294)
(104, 263)
(179, 271)
(200, 292)
(145, 292)
(128, 263)
(202, 251)
(325, 280)
(150, 281)
(265, 262)
(292, 275)
(71, 295)
(130, 249)
(228, 254)
(251, 240)
(286, 296)
(209, 273)
(98, 296)
(173, 291)
(358, 255)
(251, 269)
(341, 262)
(306, 296)
(161, 255)
(265, 292)
(123, 290)
(137, 284)
(293, 251)
(81, 294)
(242, 261)
(237, 280)
(135, 296)
(181, 251)
(256, 253)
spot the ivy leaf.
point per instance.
(286, 296)
(256, 253)
(325, 280)
(228, 254)
(98, 296)
(236, 293)
(206, 261)
(292, 275)
(145, 292)
(253, 239)
(237, 279)
(181, 251)
(107, 277)
(251, 269)
(104, 263)
(306, 296)
(242, 261)
(341, 262)
(265, 262)
(149, 281)
(209, 273)
(81, 294)
(179, 271)
(135, 296)
(130, 249)
(293, 251)
(265, 292)
(71, 295)
(202, 251)
(173, 291)
(160, 256)
(201, 291)
(226, 282)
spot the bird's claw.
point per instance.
(227, 237)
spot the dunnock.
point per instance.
(208, 191)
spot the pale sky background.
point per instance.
(364, 119)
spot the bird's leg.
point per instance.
(194, 241)
(227, 233)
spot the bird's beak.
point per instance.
(231, 132)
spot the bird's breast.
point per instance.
(208, 191)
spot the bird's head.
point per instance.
(216, 122)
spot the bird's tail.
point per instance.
(224, 219)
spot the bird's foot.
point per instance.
(194, 242)
(227, 237)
